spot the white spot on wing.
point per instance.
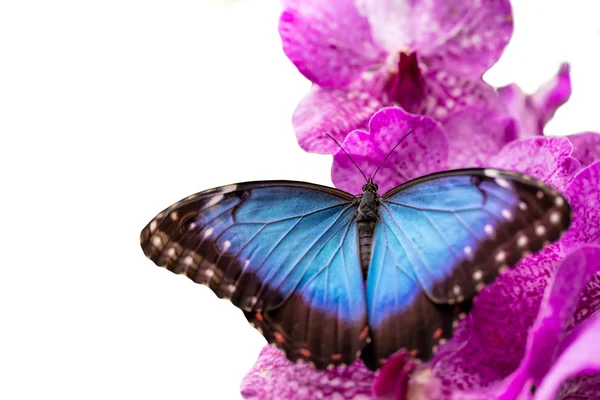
(214, 200)
(226, 245)
(488, 229)
(153, 226)
(559, 201)
(491, 173)
(157, 241)
(555, 217)
(501, 256)
(207, 233)
(540, 230)
(468, 250)
(506, 214)
(174, 216)
(477, 275)
(523, 206)
(539, 195)
(502, 182)
(522, 241)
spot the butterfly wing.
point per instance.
(441, 238)
(283, 252)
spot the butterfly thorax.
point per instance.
(366, 216)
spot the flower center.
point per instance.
(405, 85)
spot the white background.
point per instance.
(112, 110)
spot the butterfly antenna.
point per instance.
(355, 164)
(390, 153)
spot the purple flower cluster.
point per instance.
(382, 68)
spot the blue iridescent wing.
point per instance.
(284, 252)
(439, 240)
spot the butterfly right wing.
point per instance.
(284, 252)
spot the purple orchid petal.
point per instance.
(545, 158)
(581, 387)
(442, 93)
(392, 379)
(533, 112)
(475, 135)
(461, 37)
(332, 111)
(422, 152)
(556, 311)
(328, 41)
(580, 357)
(274, 377)
(584, 196)
(586, 147)
(491, 341)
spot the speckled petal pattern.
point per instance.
(422, 152)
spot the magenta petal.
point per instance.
(274, 377)
(328, 41)
(332, 111)
(556, 311)
(586, 147)
(392, 379)
(545, 158)
(584, 196)
(491, 342)
(457, 36)
(534, 111)
(445, 93)
(580, 357)
(475, 135)
(422, 152)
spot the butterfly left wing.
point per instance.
(284, 252)
(439, 240)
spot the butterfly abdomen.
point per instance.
(366, 216)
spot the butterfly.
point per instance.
(329, 277)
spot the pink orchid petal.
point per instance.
(475, 135)
(584, 196)
(332, 111)
(556, 311)
(586, 147)
(545, 158)
(444, 93)
(274, 377)
(490, 343)
(533, 112)
(328, 41)
(422, 152)
(392, 379)
(581, 357)
(462, 37)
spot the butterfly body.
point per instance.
(367, 214)
(330, 277)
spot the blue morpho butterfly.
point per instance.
(329, 277)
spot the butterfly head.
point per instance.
(370, 186)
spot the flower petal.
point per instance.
(422, 152)
(586, 147)
(545, 158)
(332, 111)
(444, 93)
(463, 37)
(392, 379)
(475, 135)
(490, 343)
(274, 377)
(580, 357)
(533, 112)
(328, 41)
(556, 311)
(584, 196)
